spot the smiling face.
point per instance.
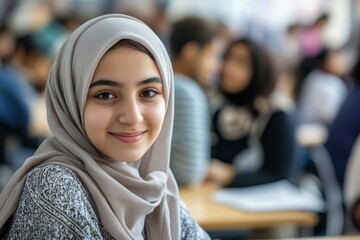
(125, 105)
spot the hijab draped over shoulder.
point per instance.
(129, 199)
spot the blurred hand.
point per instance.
(356, 215)
(220, 172)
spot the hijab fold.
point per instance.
(129, 199)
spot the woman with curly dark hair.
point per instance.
(254, 140)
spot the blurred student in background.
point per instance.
(345, 128)
(195, 45)
(312, 39)
(16, 96)
(254, 140)
(323, 90)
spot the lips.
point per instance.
(129, 137)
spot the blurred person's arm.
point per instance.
(220, 173)
(355, 214)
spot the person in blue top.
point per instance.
(345, 128)
(15, 97)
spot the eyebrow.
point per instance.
(111, 83)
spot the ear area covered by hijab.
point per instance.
(125, 196)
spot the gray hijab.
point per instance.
(129, 199)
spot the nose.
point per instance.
(130, 112)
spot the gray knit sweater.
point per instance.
(55, 205)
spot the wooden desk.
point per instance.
(212, 216)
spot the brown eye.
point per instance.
(105, 96)
(149, 93)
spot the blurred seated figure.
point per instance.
(253, 138)
(346, 127)
(322, 91)
(33, 64)
(16, 144)
(194, 44)
(326, 110)
(312, 39)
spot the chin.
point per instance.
(127, 157)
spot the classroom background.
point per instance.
(301, 35)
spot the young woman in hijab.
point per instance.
(254, 140)
(104, 174)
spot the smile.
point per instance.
(128, 137)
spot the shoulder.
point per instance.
(52, 171)
(280, 119)
(54, 203)
(190, 98)
(187, 87)
(322, 80)
(51, 180)
(58, 187)
(279, 114)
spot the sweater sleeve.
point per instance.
(189, 228)
(278, 145)
(54, 205)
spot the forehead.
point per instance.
(126, 61)
(240, 50)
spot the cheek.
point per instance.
(244, 76)
(236, 76)
(155, 117)
(206, 68)
(96, 119)
(227, 75)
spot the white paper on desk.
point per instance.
(277, 196)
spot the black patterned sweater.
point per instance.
(232, 126)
